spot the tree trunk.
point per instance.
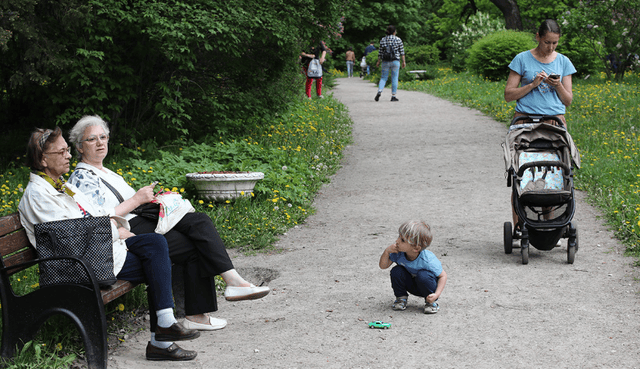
(511, 13)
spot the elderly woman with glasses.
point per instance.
(142, 259)
(194, 242)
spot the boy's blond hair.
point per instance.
(416, 232)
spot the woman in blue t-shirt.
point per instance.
(540, 79)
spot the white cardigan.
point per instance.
(41, 203)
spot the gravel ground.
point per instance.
(422, 157)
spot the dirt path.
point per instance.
(423, 157)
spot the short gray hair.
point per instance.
(77, 132)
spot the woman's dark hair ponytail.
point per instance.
(548, 25)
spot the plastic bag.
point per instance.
(172, 209)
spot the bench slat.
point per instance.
(13, 243)
(9, 223)
(116, 290)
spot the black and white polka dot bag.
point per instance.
(88, 238)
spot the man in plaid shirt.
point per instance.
(390, 61)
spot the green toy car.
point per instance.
(380, 325)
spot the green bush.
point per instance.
(490, 56)
(479, 25)
(422, 54)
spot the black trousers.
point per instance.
(194, 243)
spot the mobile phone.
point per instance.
(154, 183)
(554, 76)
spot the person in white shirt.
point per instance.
(194, 242)
(137, 258)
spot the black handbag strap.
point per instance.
(115, 192)
(87, 236)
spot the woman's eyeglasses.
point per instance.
(61, 152)
(93, 139)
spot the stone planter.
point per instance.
(220, 186)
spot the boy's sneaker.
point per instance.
(431, 308)
(393, 98)
(400, 303)
(378, 95)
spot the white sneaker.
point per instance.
(431, 308)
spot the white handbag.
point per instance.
(172, 209)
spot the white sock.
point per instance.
(165, 318)
(159, 344)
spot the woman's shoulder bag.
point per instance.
(87, 238)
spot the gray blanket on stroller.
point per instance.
(520, 136)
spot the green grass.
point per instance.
(604, 121)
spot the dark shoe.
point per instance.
(171, 353)
(378, 95)
(176, 332)
(393, 98)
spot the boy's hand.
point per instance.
(393, 248)
(432, 298)
(385, 262)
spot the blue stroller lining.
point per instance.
(543, 178)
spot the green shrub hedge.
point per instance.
(490, 56)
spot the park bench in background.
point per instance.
(420, 74)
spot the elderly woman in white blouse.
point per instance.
(193, 242)
(137, 258)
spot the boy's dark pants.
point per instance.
(403, 283)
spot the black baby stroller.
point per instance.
(539, 160)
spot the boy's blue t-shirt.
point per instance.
(426, 260)
(542, 100)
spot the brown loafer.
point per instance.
(172, 353)
(177, 332)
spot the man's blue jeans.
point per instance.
(394, 68)
(403, 283)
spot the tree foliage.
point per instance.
(367, 20)
(479, 25)
(612, 29)
(154, 69)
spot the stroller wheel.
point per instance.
(571, 254)
(524, 248)
(508, 238)
(572, 244)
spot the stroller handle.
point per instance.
(547, 164)
(536, 119)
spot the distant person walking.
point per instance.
(317, 52)
(391, 51)
(351, 60)
(368, 50)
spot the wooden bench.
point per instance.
(22, 316)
